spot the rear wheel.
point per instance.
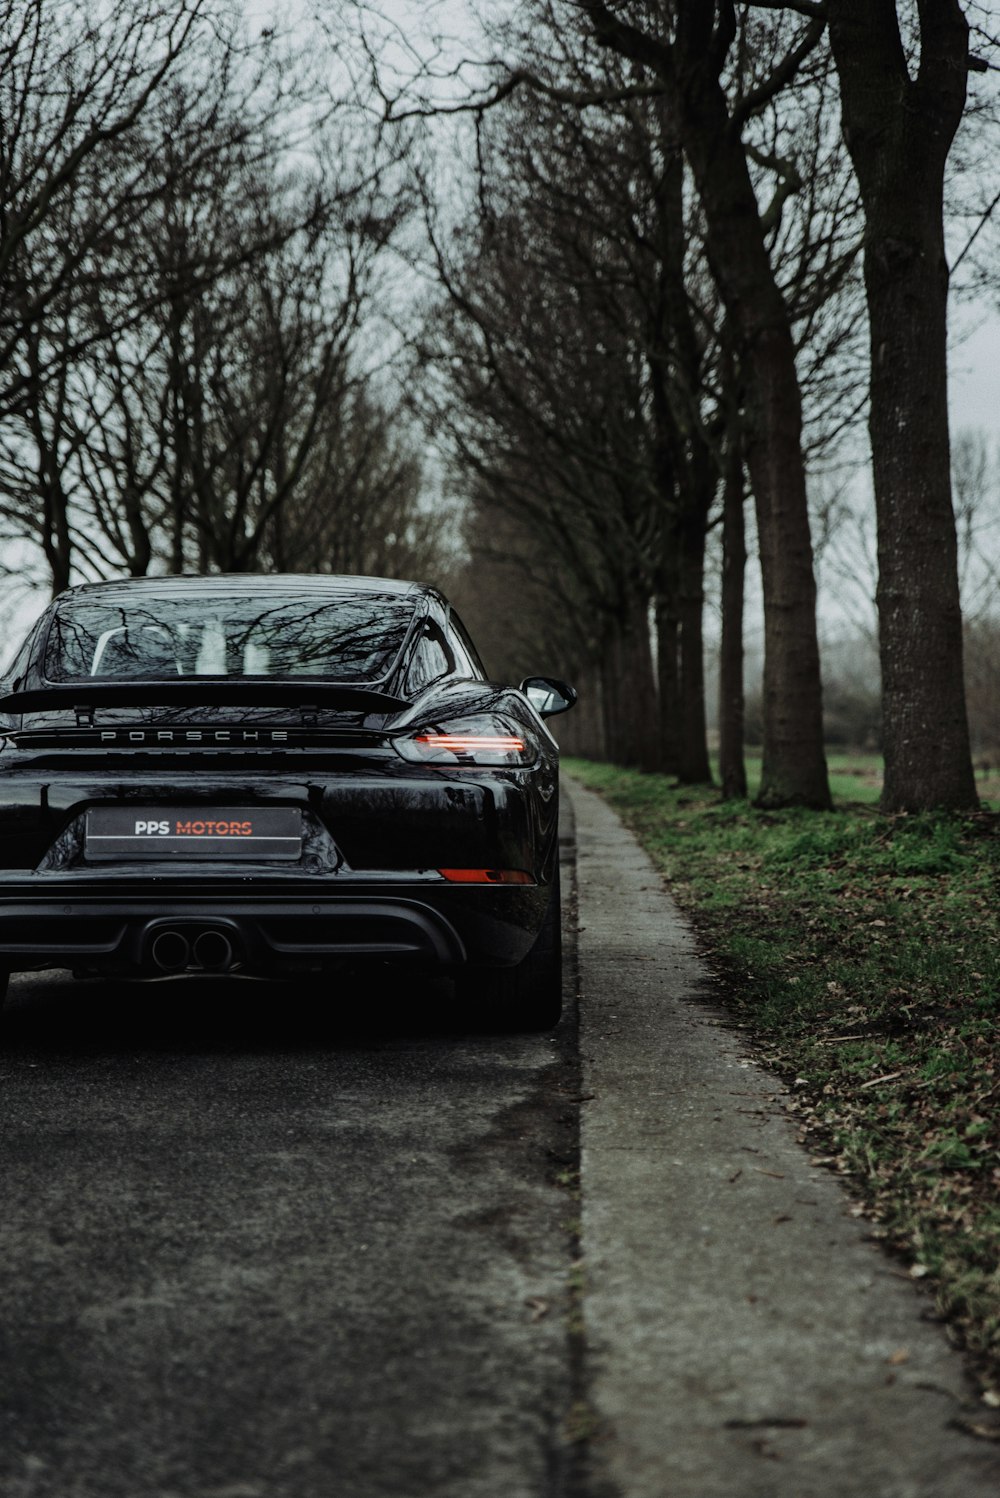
(527, 997)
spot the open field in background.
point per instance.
(863, 955)
(858, 777)
(853, 777)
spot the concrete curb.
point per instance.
(744, 1339)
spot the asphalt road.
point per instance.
(255, 1244)
(260, 1244)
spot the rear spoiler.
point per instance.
(201, 691)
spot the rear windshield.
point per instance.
(354, 637)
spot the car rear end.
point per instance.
(225, 775)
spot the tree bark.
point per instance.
(629, 693)
(640, 705)
(694, 767)
(55, 534)
(668, 682)
(685, 461)
(732, 765)
(613, 730)
(899, 131)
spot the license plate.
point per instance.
(219, 834)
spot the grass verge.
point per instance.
(863, 954)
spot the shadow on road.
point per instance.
(56, 1014)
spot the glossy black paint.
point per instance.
(377, 828)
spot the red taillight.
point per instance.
(468, 743)
(480, 741)
(486, 876)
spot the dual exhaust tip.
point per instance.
(172, 952)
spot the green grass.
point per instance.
(857, 778)
(863, 955)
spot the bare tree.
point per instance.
(899, 127)
(195, 367)
(71, 86)
(79, 169)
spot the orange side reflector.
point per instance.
(486, 876)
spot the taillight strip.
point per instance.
(460, 743)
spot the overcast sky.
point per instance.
(975, 368)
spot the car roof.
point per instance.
(287, 584)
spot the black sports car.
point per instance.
(274, 776)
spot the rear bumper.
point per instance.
(113, 930)
(367, 887)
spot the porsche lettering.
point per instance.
(194, 736)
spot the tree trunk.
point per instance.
(793, 771)
(141, 548)
(899, 131)
(46, 431)
(732, 766)
(685, 466)
(629, 694)
(668, 682)
(57, 542)
(639, 707)
(694, 767)
(615, 743)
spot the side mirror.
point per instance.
(548, 695)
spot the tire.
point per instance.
(526, 998)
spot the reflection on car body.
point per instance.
(278, 775)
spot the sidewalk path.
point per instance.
(744, 1338)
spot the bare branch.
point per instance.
(781, 76)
